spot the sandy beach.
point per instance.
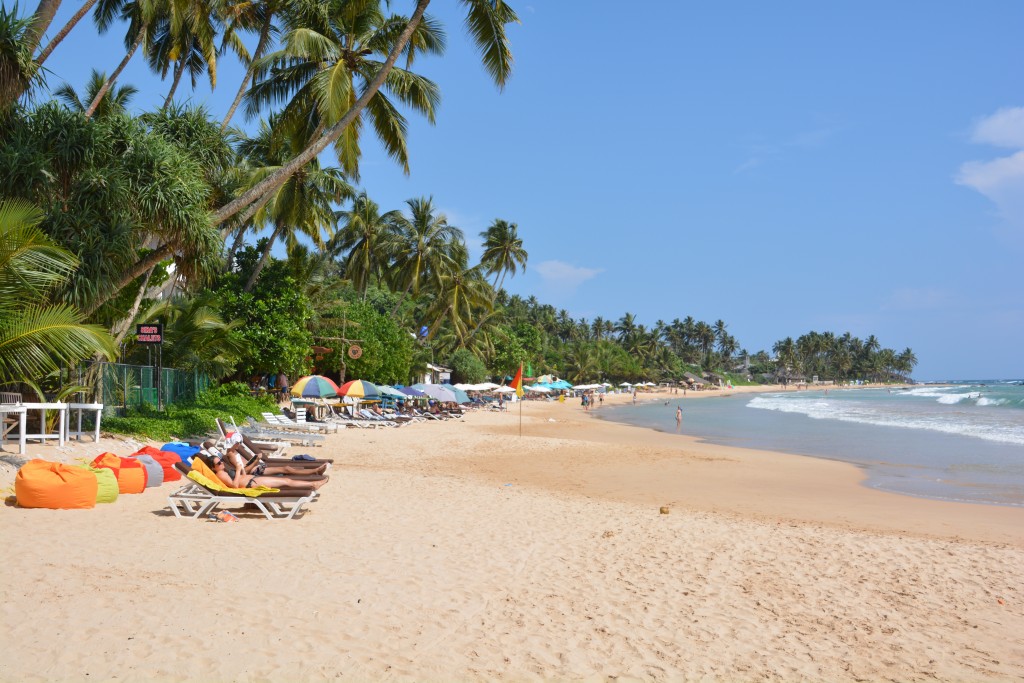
(459, 550)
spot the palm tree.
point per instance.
(485, 21)
(184, 36)
(247, 15)
(303, 204)
(327, 59)
(503, 251)
(785, 352)
(141, 16)
(704, 335)
(425, 244)
(459, 293)
(195, 335)
(626, 327)
(36, 336)
(368, 237)
(116, 101)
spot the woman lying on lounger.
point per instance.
(235, 459)
(239, 479)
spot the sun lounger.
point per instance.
(194, 500)
(268, 448)
(265, 430)
(371, 416)
(282, 422)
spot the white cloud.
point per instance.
(1001, 180)
(1005, 128)
(560, 275)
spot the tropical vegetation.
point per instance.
(254, 244)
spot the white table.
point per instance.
(21, 412)
(96, 408)
(43, 435)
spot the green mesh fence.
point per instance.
(119, 385)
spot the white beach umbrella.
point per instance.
(542, 390)
(487, 386)
(504, 390)
(625, 384)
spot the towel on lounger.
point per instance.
(203, 475)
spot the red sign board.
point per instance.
(149, 334)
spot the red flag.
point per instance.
(517, 382)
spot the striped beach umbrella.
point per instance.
(315, 386)
(359, 388)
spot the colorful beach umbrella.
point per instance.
(359, 388)
(315, 386)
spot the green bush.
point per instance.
(192, 418)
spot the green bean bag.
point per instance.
(107, 492)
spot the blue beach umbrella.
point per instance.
(460, 395)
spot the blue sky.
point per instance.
(785, 167)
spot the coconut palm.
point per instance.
(460, 294)
(184, 36)
(485, 22)
(503, 251)
(303, 205)
(195, 335)
(249, 15)
(425, 244)
(142, 16)
(38, 337)
(329, 53)
(116, 101)
(367, 237)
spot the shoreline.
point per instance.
(685, 471)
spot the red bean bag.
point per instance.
(131, 475)
(56, 486)
(166, 460)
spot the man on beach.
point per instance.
(679, 415)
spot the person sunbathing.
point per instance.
(236, 459)
(239, 479)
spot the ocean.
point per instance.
(960, 442)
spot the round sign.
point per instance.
(354, 352)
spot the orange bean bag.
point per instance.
(166, 460)
(131, 475)
(55, 486)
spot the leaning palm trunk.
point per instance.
(278, 178)
(113, 77)
(178, 71)
(260, 47)
(63, 33)
(120, 329)
(236, 244)
(151, 259)
(263, 260)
